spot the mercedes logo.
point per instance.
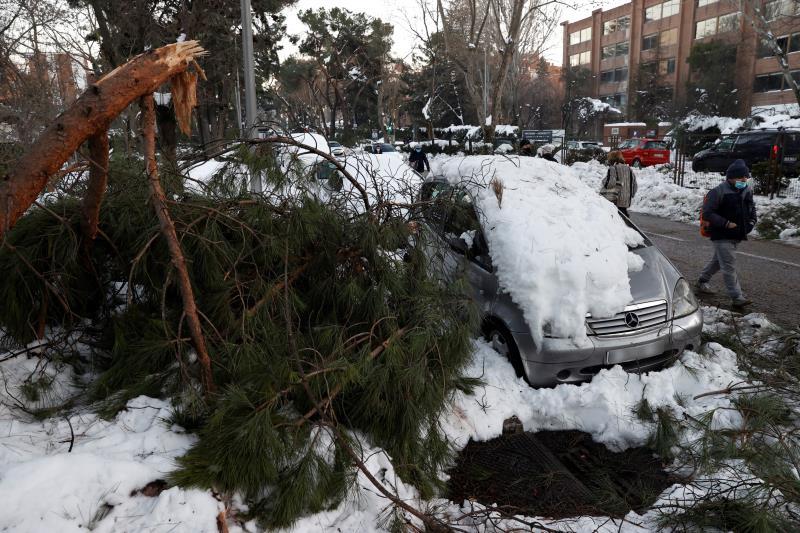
(631, 320)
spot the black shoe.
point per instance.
(741, 302)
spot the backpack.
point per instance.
(705, 225)
(610, 191)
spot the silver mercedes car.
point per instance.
(663, 320)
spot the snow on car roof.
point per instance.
(558, 248)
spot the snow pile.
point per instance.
(728, 125)
(725, 125)
(80, 472)
(598, 106)
(559, 249)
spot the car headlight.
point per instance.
(683, 300)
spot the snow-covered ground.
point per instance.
(79, 472)
(658, 195)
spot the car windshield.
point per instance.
(334, 144)
(591, 145)
(645, 241)
(630, 143)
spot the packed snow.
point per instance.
(559, 249)
(79, 472)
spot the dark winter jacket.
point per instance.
(419, 161)
(550, 157)
(724, 204)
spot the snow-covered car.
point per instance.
(565, 285)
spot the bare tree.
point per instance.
(483, 37)
(784, 14)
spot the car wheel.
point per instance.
(636, 163)
(503, 343)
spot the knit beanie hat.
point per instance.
(738, 169)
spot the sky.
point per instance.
(403, 13)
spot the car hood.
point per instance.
(656, 280)
(702, 153)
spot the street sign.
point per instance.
(538, 136)
(374, 135)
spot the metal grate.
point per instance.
(634, 318)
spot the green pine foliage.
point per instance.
(318, 330)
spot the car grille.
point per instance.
(634, 318)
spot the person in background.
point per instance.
(418, 160)
(546, 152)
(730, 213)
(619, 185)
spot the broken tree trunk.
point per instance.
(98, 179)
(90, 115)
(159, 201)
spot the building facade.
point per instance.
(658, 35)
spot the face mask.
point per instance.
(740, 185)
(417, 149)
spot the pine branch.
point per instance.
(168, 231)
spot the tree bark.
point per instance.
(98, 179)
(159, 201)
(90, 115)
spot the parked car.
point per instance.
(583, 145)
(336, 148)
(663, 320)
(753, 147)
(584, 151)
(644, 152)
(378, 148)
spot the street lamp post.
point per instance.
(248, 65)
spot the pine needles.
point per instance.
(316, 329)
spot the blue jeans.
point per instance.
(725, 260)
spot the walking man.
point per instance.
(729, 214)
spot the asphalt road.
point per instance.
(769, 271)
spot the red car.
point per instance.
(644, 152)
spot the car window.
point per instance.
(655, 145)
(630, 143)
(387, 148)
(726, 144)
(792, 143)
(755, 139)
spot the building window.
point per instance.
(619, 24)
(580, 36)
(614, 76)
(669, 37)
(649, 68)
(580, 59)
(650, 41)
(702, 3)
(781, 8)
(652, 13)
(729, 22)
(794, 43)
(669, 8)
(666, 66)
(704, 28)
(663, 10)
(615, 50)
(768, 82)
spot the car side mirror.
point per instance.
(458, 244)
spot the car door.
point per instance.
(754, 147)
(655, 153)
(791, 153)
